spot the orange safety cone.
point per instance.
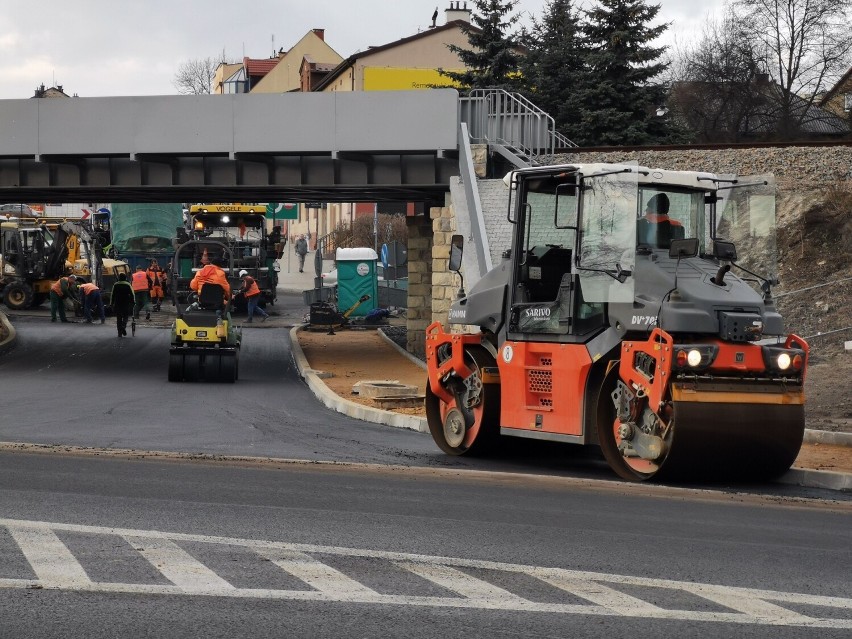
(204, 258)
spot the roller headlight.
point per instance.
(784, 360)
(694, 357)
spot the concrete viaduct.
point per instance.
(294, 147)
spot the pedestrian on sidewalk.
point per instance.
(301, 250)
(123, 300)
(142, 290)
(250, 290)
(59, 290)
(91, 295)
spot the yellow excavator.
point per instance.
(35, 255)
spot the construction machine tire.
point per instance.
(227, 368)
(18, 296)
(709, 441)
(717, 441)
(629, 468)
(448, 423)
(175, 367)
(193, 367)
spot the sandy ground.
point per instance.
(342, 355)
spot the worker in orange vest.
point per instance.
(158, 282)
(91, 295)
(141, 284)
(251, 292)
(59, 290)
(214, 274)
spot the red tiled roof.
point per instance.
(259, 67)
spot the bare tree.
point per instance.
(807, 46)
(716, 89)
(195, 77)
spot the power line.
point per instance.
(809, 288)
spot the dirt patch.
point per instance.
(342, 355)
(815, 295)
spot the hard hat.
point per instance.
(72, 277)
(243, 272)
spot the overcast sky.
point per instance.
(114, 47)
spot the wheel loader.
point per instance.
(35, 255)
(205, 343)
(632, 312)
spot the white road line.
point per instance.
(178, 566)
(318, 575)
(604, 596)
(56, 567)
(50, 559)
(749, 605)
(464, 584)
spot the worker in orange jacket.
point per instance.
(158, 284)
(141, 284)
(59, 290)
(251, 291)
(214, 274)
(91, 295)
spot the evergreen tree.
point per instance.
(492, 62)
(620, 98)
(555, 66)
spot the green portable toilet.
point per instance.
(356, 277)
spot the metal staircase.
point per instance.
(511, 125)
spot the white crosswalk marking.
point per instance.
(603, 596)
(50, 559)
(56, 567)
(462, 583)
(178, 566)
(318, 575)
(751, 606)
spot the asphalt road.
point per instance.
(400, 542)
(102, 547)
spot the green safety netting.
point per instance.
(138, 228)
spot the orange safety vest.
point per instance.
(140, 281)
(656, 218)
(156, 275)
(56, 287)
(212, 274)
(89, 288)
(251, 286)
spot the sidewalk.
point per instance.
(821, 449)
(289, 278)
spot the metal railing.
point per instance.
(497, 117)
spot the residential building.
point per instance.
(411, 63)
(286, 74)
(838, 100)
(242, 77)
(52, 92)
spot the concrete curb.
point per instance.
(351, 409)
(401, 350)
(829, 480)
(9, 341)
(826, 479)
(827, 437)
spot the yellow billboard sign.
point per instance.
(402, 79)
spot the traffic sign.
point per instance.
(286, 211)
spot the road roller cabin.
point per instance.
(633, 312)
